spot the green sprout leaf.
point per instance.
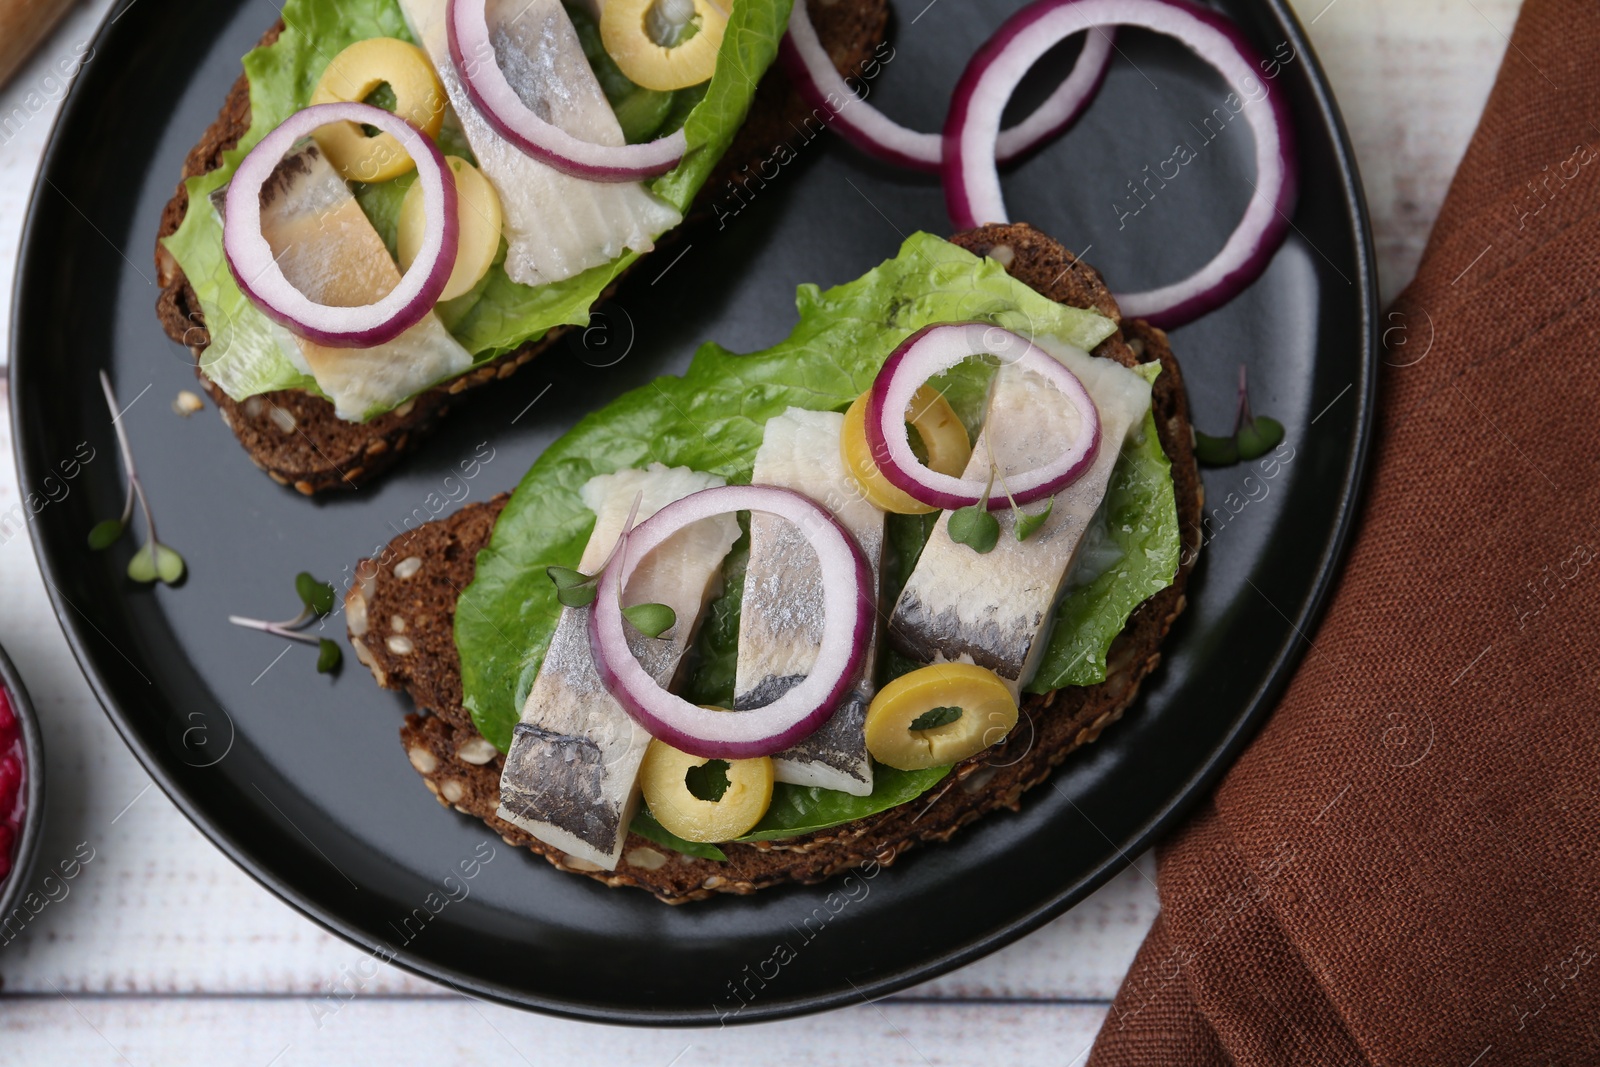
(652, 620)
(316, 596)
(1215, 451)
(169, 565)
(105, 534)
(709, 781)
(1252, 437)
(156, 561)
(974, 527)
(328, 656)
(1027, 525)
(934, 718)
(645, 825)
(567, 578)
(579, 596)
(1258, 436)
(142, 567)
(574, 589)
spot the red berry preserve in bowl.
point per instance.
(12, 802)
(21, 785)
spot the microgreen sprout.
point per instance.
(1027, 525)
(153, 561)
(975, 525)
(316, 602)
(1253, 435)
(575, 589)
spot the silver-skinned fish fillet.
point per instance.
(571, 778)
(327, 249)
(556, 225)
(780, 617)
(995, 609)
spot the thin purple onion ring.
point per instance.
(935, 349)
(256, 269)
(809, 67)
(848, 612)
(472, 52)
(972, 185)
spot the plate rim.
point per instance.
(1245, 725)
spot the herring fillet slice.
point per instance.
(994, 609)
(571, 778)
(780, 617)
(330, 251)
(556, 225)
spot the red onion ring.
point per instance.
(486, 84)
(972, 185)
(809, 67)
(935, 349)
(256, 269)
(848, 613)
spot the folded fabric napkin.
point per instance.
(1404, 867)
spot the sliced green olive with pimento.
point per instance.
(651, 40)
(705, 800)
(938, 715)
(355, 74)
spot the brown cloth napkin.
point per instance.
(1402, 869)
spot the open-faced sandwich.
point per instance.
(801, 609)
(402, 199)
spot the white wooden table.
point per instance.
(164, 952)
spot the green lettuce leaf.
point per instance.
(712, 419)
(799, 810)
(245, 357)
(644, 824)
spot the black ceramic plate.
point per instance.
(300, 779)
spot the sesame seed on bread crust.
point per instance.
(294, 436)
(417, 578)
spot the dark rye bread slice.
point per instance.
(295, 436)
(401, 617)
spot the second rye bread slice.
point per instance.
(295, 437)
(401, 613)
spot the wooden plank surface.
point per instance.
(449, 1031)
(164, 952)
